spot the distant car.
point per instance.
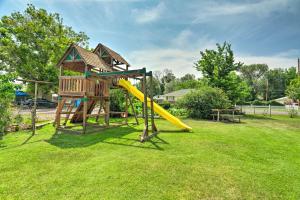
(40, 103)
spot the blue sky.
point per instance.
(170, 34)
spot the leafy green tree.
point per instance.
(171, 86)
(7, 94)
(252, 74)
(293, 90)
(190, 84)
(274, 84)
(188, 77)
(156, 89)
(32, 42)
(291, 74)
(218, 67)
(168, 76)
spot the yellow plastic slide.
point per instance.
(158, 109)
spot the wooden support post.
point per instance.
(85, 106)
(126, 107)
(152, 107)
(33, 112)
(106, 110)
(126, 100)
(145, 132)
(143, 109)
(133, 110)
(61, 102)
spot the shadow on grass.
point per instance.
(173, 131)
(114, 136)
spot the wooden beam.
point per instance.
(34, 81)
(126, 101)
(33, 112)
(133, 110)
(146, 128)
(153, 127)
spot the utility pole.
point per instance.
(267, 89)
(298, 67)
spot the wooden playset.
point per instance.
(98, 72)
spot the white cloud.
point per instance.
(181, 61)
(260, 8)
(183, 52)
(183, 38)
(274, 61)
(143, 16)
(180, 56)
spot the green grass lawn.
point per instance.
(256, 159)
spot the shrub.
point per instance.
(178, 111)
(293, 90)
(199, 103)
(292, 112)
(117, 100)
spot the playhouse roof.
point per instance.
(76, 57)
(112, 53)
(91, 58)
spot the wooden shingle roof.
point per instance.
(89, 58)
(112, 53)
(92, 59)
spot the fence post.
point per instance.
(270, 112)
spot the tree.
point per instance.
(188, 77)
(188, 84)
(293, 90)
(7, 94)
(274, 84)
(291, 74)
(218, 67)
(32, 42)
(168, 76)
(163, 78)
(252, 74)
(171, 86)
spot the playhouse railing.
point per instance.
(79, 86)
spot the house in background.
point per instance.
(172, 97)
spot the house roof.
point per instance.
(112, 53)
(179, 93)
